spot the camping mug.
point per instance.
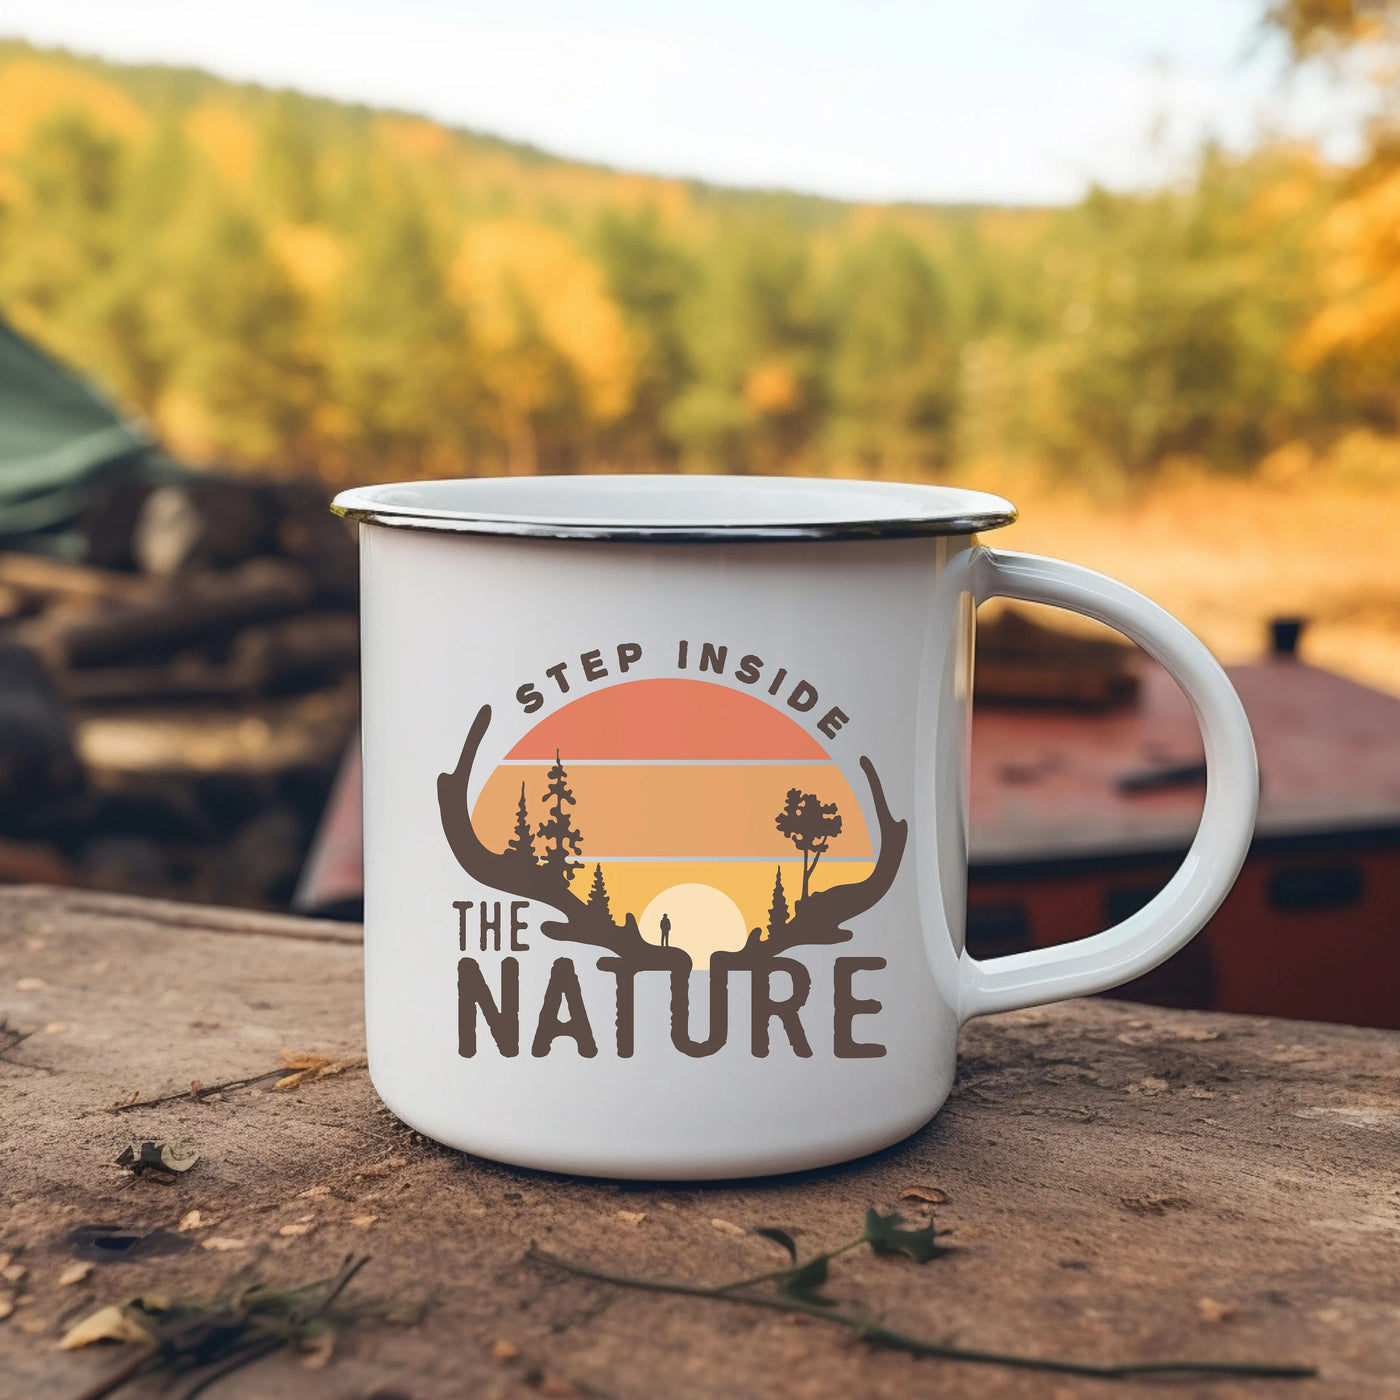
(665, 785)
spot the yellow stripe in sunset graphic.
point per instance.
(701, 810)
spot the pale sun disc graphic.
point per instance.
(703, 921)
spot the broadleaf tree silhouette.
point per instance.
(809, 824)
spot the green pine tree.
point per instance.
(562, 839)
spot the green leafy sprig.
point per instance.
(208, 1341)
(798, 1289)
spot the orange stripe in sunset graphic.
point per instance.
(697, 808)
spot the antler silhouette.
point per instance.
(818, 917)
(511, 875)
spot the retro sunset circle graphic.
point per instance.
(698, 813)
(716, 816)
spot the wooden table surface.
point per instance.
(1123, 1183)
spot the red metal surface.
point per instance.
(333, 877)
(1334, 964)
(1044, 784)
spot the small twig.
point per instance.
(921, 1346)
(254, 1352)
(209, 1341)
(200, 1093)
(775, 1274)
(342, 1281)
(116, 1379)
(12, 1037)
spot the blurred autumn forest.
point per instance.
(295, 285)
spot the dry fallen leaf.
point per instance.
(363, 1222)
(223, 1243)
(30, 984)
(109, 1324)
(155, 1157)
(390, 1164)
(74, 1273)
(1153, 1205)
(930, 1194)
(300, 1227)
(12, 1273)
(307, 1065)
(55, 1028)
(632, 1217)
(502, 1349)
(191, 1220)
(728, 1227)
(1149, 1085)
(1195, 1033)
(7, 1306)
(1210, 1310)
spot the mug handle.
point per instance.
(1178, 912)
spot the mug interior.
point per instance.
(637, 506)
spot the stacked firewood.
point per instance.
(172, 709)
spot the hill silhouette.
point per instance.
(292, 283)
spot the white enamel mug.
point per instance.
(665, 785)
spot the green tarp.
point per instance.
(59, 440)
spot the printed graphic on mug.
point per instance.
(679, 825)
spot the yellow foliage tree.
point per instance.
(33, 90)
(549, 337)
(1360, 278)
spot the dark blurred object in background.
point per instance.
(38, 767)
(1079, 817)
(1020, 662)
(1284, 635)
(62, 447)
(178, 655)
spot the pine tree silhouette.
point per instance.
(598, 895)
(522, 844)
(809, 825)
(562, 839)
(778, 911)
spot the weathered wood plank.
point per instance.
(1108, 1167)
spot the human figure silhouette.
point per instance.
(665, 931)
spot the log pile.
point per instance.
(1023, 663)
(173, 709)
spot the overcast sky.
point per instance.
(1001, 100)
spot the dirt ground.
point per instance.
(1123, 1183)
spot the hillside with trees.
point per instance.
(292, 284)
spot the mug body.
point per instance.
(665, 840)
